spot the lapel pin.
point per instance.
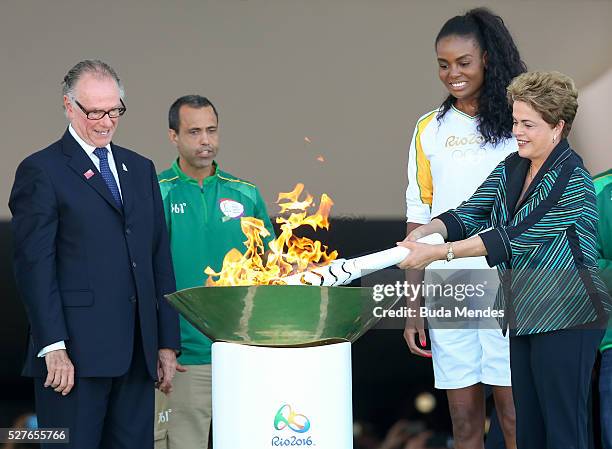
(88, 174)
(124, 167)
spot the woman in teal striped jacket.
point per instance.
(535, 219)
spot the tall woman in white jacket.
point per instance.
(453, 150)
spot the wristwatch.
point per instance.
(450, 255)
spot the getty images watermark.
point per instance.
(460, 301)
(473, 298)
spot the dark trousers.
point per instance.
(605, 398)
(104, 412)
(551, 374)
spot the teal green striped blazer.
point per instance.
(545, 247)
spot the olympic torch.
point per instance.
(343, 272)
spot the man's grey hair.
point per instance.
(91, 66)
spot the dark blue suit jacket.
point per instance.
(85, 267)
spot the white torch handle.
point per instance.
(391, 256)
(342, 272)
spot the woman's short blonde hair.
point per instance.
(552, 94)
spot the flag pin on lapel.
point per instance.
(124, 167)
(88, 174)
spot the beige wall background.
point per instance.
(351, 76)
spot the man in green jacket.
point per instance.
(203, 206)
(603, 190)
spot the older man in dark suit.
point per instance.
(92, 264)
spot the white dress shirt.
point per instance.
(89, 150)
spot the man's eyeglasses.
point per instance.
(97, 115)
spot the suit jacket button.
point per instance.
(133, 264)
(128, 231)
(132, 299)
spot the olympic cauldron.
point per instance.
(281, 357)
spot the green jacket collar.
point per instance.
(183, 177)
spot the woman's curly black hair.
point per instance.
(503, 63)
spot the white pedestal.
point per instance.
(266, 397)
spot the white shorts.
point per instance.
(468, 352)
(465, 357)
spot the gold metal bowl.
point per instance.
(279, 315)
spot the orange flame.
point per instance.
(288, 253)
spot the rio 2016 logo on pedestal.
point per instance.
(286, 418)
